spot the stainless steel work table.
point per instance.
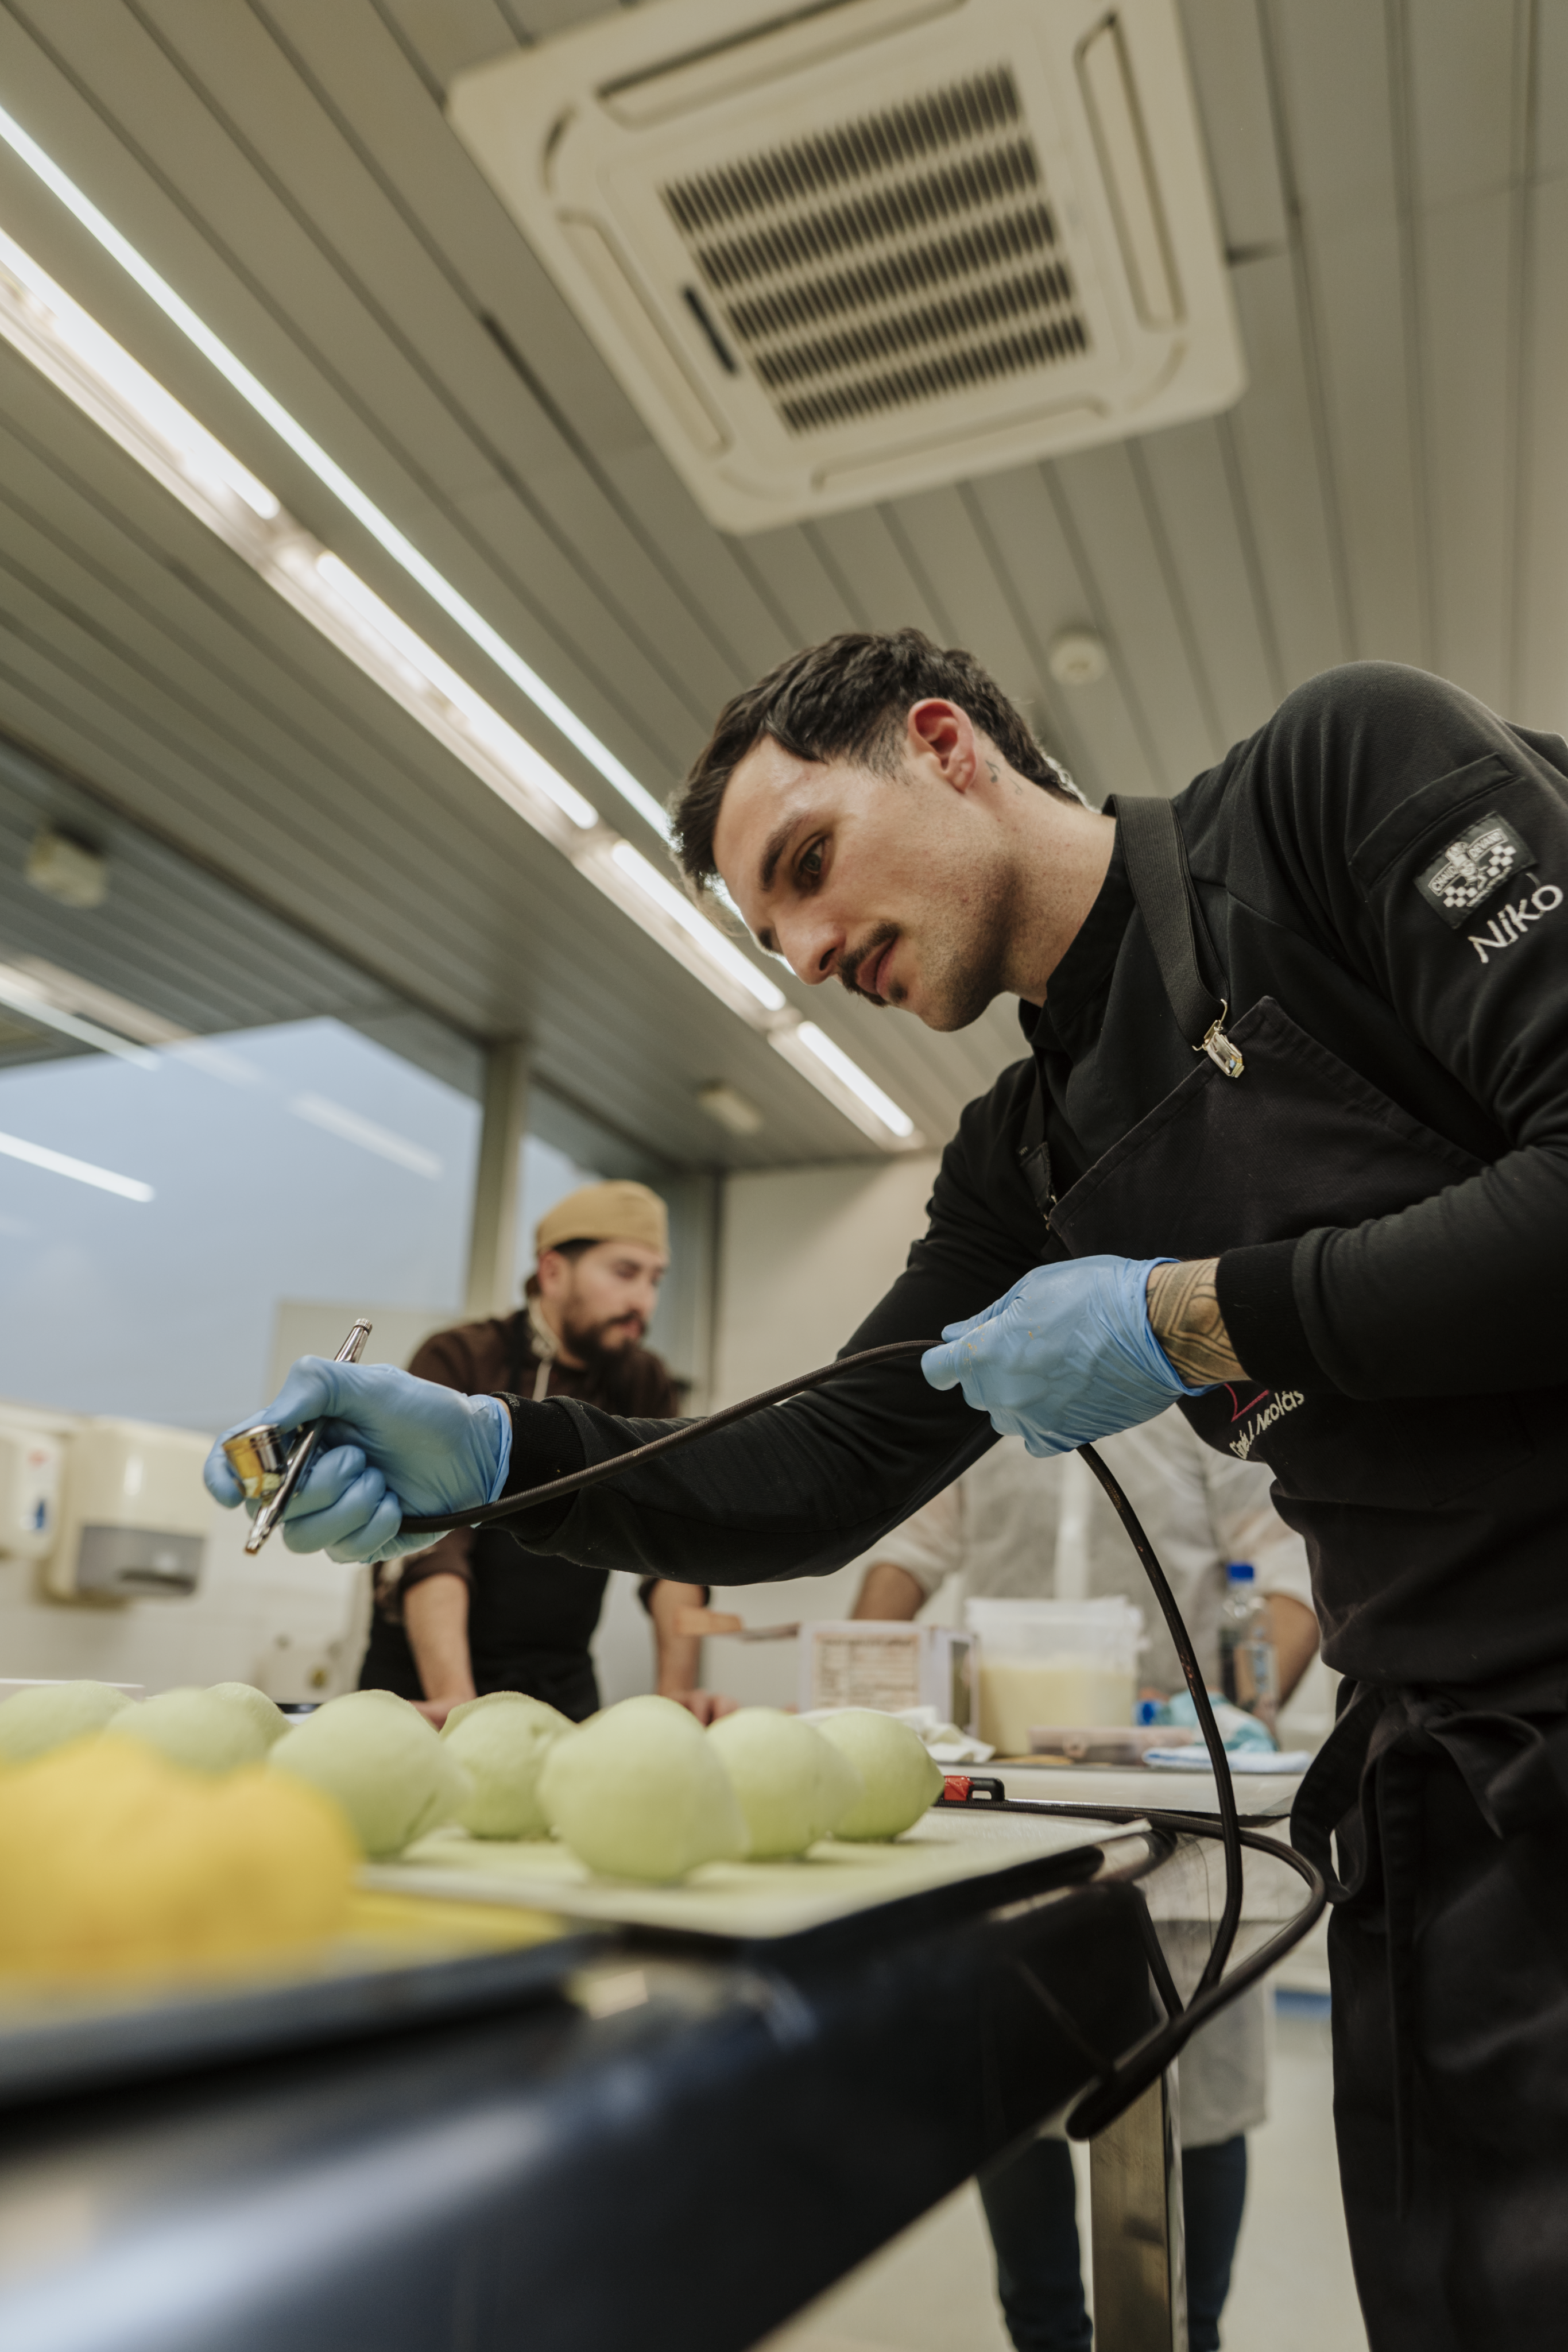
(676, 2154)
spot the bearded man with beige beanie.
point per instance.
(475, 1613)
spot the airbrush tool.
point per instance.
(267, 1466)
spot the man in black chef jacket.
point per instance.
(1289, 1142)
(452, 1622)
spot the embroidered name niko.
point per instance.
(1508, 924)
(1277, 1406)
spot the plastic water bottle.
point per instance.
(1248, 1669)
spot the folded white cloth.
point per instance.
(948, 1744)
(952, 1745)
(1241, 1759)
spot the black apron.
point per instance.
(526, 1632)
(1449, 1941)
(531, 1631)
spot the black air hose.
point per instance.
(1132, 2075)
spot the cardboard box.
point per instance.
(865, 1661)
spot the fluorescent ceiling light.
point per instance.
(25, 996)
(697, 926)
(311, 454)
(81, 1171)
(72, 993)
(466, 711)
(658, 908)
(105, 366)
(350, 1127)
(816, 1056)
(68, 347)
(851, 1074)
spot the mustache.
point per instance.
(852, 965)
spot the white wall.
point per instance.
(286, 1623)
(804, 1254)
(294, 1625)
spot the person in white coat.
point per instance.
(1017, 1527)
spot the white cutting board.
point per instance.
(741, 1899)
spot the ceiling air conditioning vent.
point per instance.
(874, 245)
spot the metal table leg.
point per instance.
(1136, 2219)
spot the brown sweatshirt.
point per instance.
(478, 1359)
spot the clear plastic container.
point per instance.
(1053, 1662)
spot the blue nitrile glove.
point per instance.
(1238, 1729)
(1068, 1356)
(389, 1443)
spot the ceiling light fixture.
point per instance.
(101, 376)
(809, 1050)
(692, 925)
(65, 868)
(464, 712)
(83, 362)
(28, 996)
(1077, 658)
(730, 1108)
(70, 992)
(310, 453)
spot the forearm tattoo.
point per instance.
(1183, 1311)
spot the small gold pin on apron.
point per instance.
(1219, 1047)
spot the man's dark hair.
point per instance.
(571, 1251)
(848, 698)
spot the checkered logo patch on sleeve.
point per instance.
(1475, 863)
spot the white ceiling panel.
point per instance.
(1206, 543)
(1045, 571)
(1284, 462)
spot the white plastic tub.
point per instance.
(1056, 1661)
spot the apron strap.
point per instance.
(1157, 869)
(1330, 1796)
(539, 1388)
(1034, 1152)
(1156, 852)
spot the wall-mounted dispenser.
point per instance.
(32, 1461)
(134, 1513)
